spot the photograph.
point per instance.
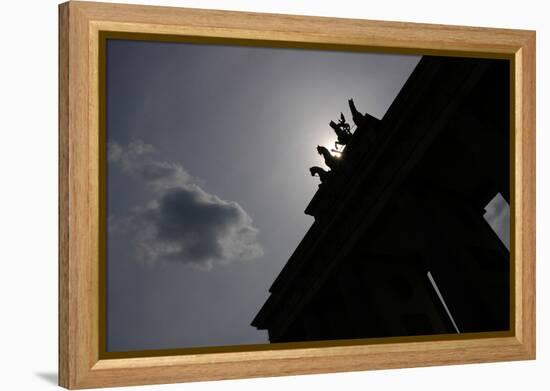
(269, 195)
(248, 195)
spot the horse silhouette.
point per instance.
(323, 174)
(342, 130)
(330, 161)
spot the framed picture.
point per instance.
(246, 195)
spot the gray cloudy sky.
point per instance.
(208, 156)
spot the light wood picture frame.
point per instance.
(83, 362)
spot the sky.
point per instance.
(208, 154)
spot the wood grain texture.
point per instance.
(527, 188)
(63, 200)
(80, 23)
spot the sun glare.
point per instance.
(329, 144)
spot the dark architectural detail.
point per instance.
(330, 160)
(362, 120)
(399, 245)
(342, 130)
(321, 173)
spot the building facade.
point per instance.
(399, 245)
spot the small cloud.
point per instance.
(182, 222)
(128, 157)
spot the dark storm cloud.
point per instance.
(181, 222)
